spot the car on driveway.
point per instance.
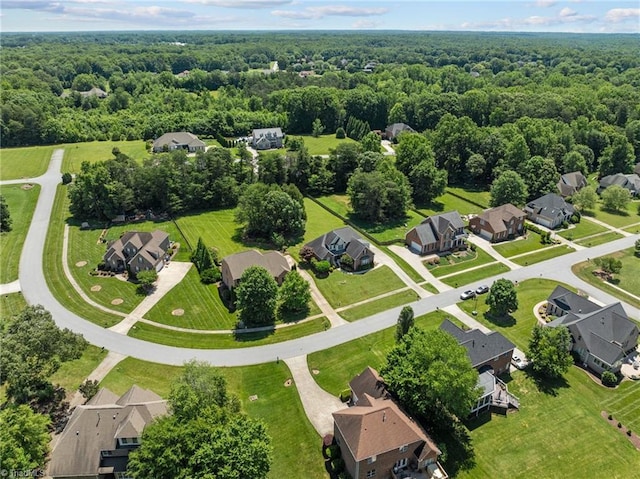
(482, 289)
(519, 362)
(468, 294)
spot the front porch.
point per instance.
(432, 471)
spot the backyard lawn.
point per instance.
(11, 305)
(456, 262)
(619, 219)
(323, 144)
(26, 162)
(73, 373)
(93, 151)
(480, 196)
(543, 255)
(520, 245)
(467, 277)
(599, 239)
(21, 203)
(449, 202)
(373, 307)
(341, 289)
(581, 230)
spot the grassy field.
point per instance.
(448, 202)
(21, 203)
(341, 289)
(93, 151)
(475, 275)
(339, 365)
(581, 230)
(543, 255)
(404, 266)
(451, 264)
(633, 229)
(295, 442)
(365, 310)
(73, 373)
(520, 245)
(323, 144)
(619, 219)
(11, 305)
(26, 162)
(480, 196)
(600, 239)
(319, 222)
(628, 278)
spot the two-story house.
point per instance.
(437, 234)
(267, 138)
(499, 223)
(138, 251)
(332, 245)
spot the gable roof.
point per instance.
(356, 245)
(498, 217)
(272, 261)
(480, 347)
(368, 382)
(396, 128)
(137, 395)
(267, 132)
(550, 206)
(102, 397)
(148, 246)
(433, 227)
(178, 138)
(569, 301)
(571, 182)
(630, 182)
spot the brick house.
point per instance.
(138, 251)
(234, 265)
(499, 223)
(437, 234)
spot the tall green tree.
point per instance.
(617, 158)
(379, 196)
(502, 297)
(405, 322)
(585, 198)
(540, 175)
(509, 187)
(371, 142)
(615, 198)
(24, 438)
(256, 297)
(5, 215)
(415, 158)
(549, 351)
(574, 161)
(294, 294)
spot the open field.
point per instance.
(21, 203)
(373, 307)
(449, 202)
(471, 260)
(342, 289)
(11, 305)
(581, 230)
(600, 239)
(618, 219)
(467, 277)
(295, 442)
(27, 162)
(543, 255)
(520, 245)
(480, 196)
(323, 144)
(93, 151)
(628, 278)
(319, 222)
(73, 373)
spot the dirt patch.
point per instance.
(635, 440)
(177, 312)
(315, 371)
(80, 264)
(117, 301)
(288, 383)
(95, 288)
(27, 186)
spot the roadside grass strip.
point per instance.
(378, 305)
(543, 255)
(27, 162)
(602, 238)
(473, 275)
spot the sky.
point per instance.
(580, 16)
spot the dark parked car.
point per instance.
(468, 294)
(482, 289)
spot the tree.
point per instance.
(574, 161)
(294, 294)
(256, 297)
(429, 371)
(307, 254)
(476, 166)
(24, 438)
(89, 388)
(146, 280)
(509, 187)
(317, 128)
(617, 158)
(371, 142)
(66, 178)
(615, 198)
(379, 197)
(405, 322)
(5, 216)
(340, 134)
(585, 198)
(540, 175)
(206, 436)
(549, 351)
(427, 181)
(502, 297)
(609, 264)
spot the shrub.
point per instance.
(629, 432)
(210, 276)
(608, 378)
(610, 417)
(338, 465)
(619, 425)
(340, 134)
(345, 395)
(89, 388)
(564, 225)
(575, 218)
(346, 261)
(66, 178)
(322, 268)
(333, 451)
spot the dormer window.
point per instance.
(371, 459)
(404, 448)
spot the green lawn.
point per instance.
(582, 229)
(475, 275)
(21, 203)
(449, 202)
(600, 239)
(73, 373)
(11, 305)
(404, 266)
(618, 219)
(368, 309)
(633, 229)
(93, 151)
(543, 255)
(154, 334)
(624, 405)
(338, 365)
(342, 289)
(295, 442)
(319, 222)
(480, 196)
(628, 278)
(323, 144)
(26, 162)
(520, 245)
(454, 263)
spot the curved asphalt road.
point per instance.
(35, 290)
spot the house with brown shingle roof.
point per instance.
(137, 251)
(100, 434)
(499, 223)
(234, 265)
(569, 183)
(178, 140)
(437, 234)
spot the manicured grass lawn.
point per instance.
(480, 196)
(520, 245)
(430, 288)
(319, 222)
(76, 153)
(365, 310)
(11, 305)
(21, 204)
(628, 278)
(547, 437)
(52, 264)
(582, 229)
(624, 404)
(633, 229)
(471, 260)
(543, 255)
(412, 273)
(340, 364)
(341, 289)
(154, 334)
(73, 373)
(26, 162)
(474, 275)
(618, 219)
(130, 371)
(323, 144)
(449, 202)
(600, 239)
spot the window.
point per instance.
(371, 460)
(403, 448)
(371, 473)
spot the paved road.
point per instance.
(35, 290)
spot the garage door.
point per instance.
(416, 247)
(485, 234)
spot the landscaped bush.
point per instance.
(608, 378)
(333, 451)
(66, 178)
(619, 425)
(321, 268)
(340, 134)
(346, 262)
(338, 465)
(210, 276)
(345, 395)
(564, 225)
(629, 432)
(575, 218)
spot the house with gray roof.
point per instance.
(233, 266)
(499, 223)
(569, 183)
(100, 434)
(629, 182)
(267, 138)
(437, 234)
(178, 140)
(562, 301)
(332, 245)
(391, 132)
(550, 210)
(137, 251)
(602, 336)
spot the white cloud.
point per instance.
(330, 10)
(545, 3)
(617, 15)
(567, 12)
(241, 3)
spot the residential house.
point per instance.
(549, 210)
(392, 131)
(499, 223)
(437, 234)
(138, 251)
(368, 382)
(602, 336)
(490, 354)
(378, 439)
(332, 245)
(100, 434)
(178, 140)
(98, 92)
(629, 182)
(234, 266)
(267, 138)
(571, 182)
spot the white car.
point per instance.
(468, 294)
(519, 363)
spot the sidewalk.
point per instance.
(98, 374)
(321, 301)
(487, 247)
(8, 288)
(383, 258)
(415, 261)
